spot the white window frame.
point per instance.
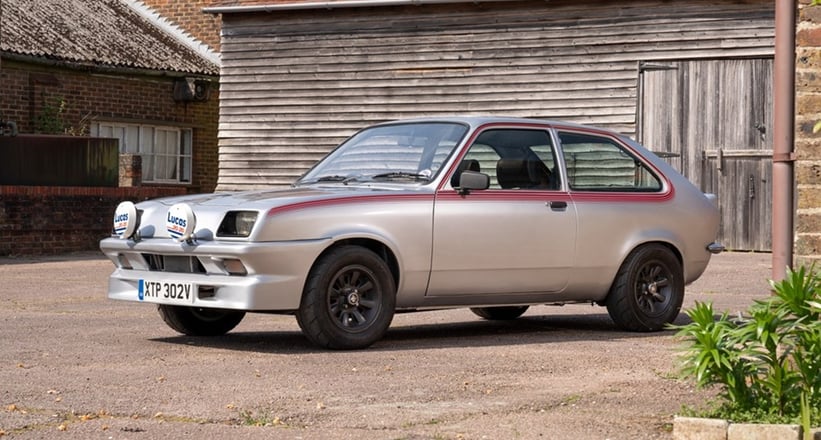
(166, 151)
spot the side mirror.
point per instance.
(470, 180)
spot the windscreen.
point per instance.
(407, 151)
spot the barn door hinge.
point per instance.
(645, 66)
(751, 187)
(762, 130)
(721, 154)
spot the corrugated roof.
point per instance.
(108, 33)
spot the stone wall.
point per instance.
(807, 143)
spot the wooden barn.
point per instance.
(689, 79)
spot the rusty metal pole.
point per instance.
(783, 138)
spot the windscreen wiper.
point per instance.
(328, 178)
(402, 175)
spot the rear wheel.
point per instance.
(349, 299)
(648, 290)
(197, 321)
(499, 313)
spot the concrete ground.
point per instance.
(76, 365)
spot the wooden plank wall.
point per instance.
(716, 116)
(295, 83)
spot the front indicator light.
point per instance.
(234, 267)
(230, 266)
(237, 224)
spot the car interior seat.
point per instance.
(467, 164)
(524, 174)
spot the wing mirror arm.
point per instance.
(472, 180)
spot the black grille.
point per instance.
(173, 263)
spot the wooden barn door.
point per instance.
(712, 119)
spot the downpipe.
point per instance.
(783, 139)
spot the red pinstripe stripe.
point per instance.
(349, 200)
(557, 196)
(505, 195)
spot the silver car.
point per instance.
(493, 214)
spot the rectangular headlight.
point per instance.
(237, 224)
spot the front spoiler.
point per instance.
(275, 278)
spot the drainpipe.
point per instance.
(783, 138)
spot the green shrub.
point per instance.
(767, 365)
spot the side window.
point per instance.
(514, 159)
(482, 158)
(597, 163)
(166, 151)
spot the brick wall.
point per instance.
(188, 15)
(32, 91)
(808, 144)
(41, 220)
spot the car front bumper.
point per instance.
(245, 276)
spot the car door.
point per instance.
(519, 235)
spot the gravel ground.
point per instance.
(76, 365)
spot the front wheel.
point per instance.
(197, 321)
(349, 299)
(648, 290)
(502, 313)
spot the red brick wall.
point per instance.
(188, 15)
(41, 220)
(29, 90)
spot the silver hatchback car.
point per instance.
(493, 214)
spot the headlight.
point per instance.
(237, 224)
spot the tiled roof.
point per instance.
(234, 6)
(108, 33)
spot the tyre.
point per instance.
(349, 299)
(648, 290)
(499, 313)
(196, 321)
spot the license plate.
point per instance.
(166, 292)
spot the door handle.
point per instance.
(557, 205)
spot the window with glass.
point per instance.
(165, 151)
(596, 163)
(406, 152)
(514, 159)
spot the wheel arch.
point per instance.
(673, 248)
(666, 238)
(330, 313)
(666, 244)
(382, 250)
(647, 292)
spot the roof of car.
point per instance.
(475, 121)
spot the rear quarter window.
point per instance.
(597, 163)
